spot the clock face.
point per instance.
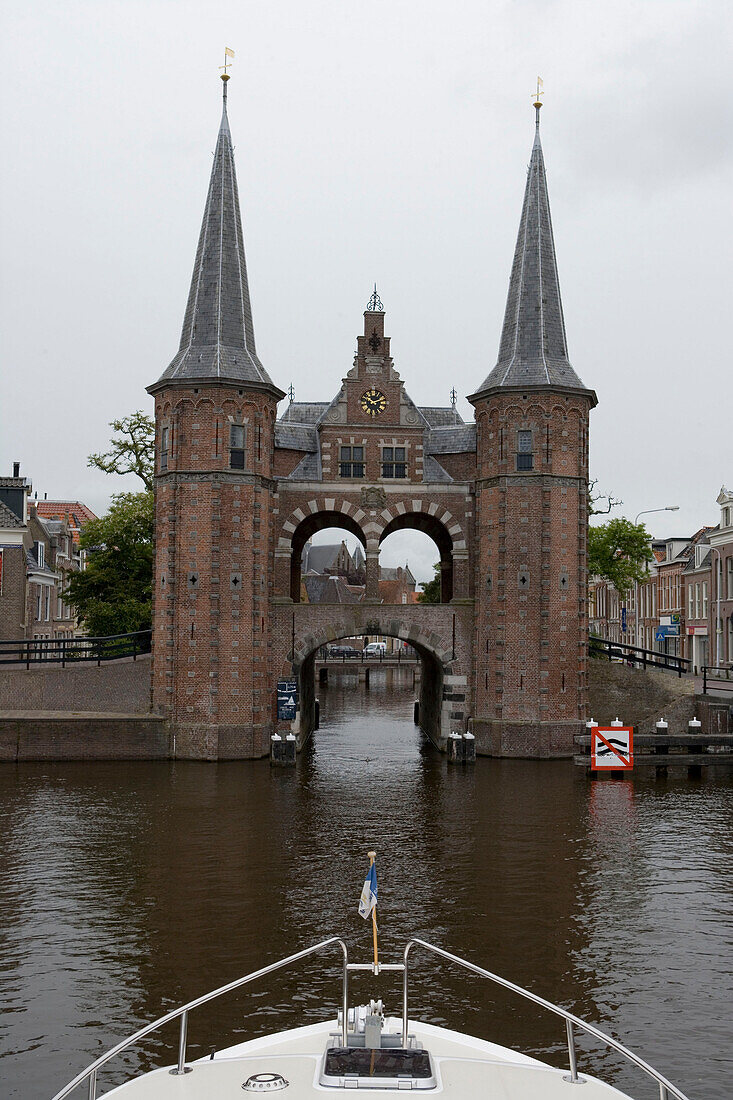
(373, 402)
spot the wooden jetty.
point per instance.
(693, 751)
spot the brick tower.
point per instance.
(215, 409)
(531, 630)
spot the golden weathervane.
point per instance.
(228, 58)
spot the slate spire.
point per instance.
(218, 340)
(533, 350)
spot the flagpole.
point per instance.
(372, 857)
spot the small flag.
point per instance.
(228, 52)
(368, 899)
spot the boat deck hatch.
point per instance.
(395, 1068)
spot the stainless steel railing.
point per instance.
(666, 1088)
(90, 1073)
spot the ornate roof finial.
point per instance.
(227, 63)
(539, 92)
(291, 392)
(374, 305)
(225, 75)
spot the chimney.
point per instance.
(16, 469)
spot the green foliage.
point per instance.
(113, 595)
(132, 451)
(431, 590)
(619, 552)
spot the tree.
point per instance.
(132, 451)
(113, 594)
(595, 499)
(431, 589)
(619, 552)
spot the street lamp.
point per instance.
(647, 512)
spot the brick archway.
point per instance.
(372, 527)
(427, 513)
(342, 510)
(355, 624)
(430, 629)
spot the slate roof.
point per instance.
(433, 471)
(442, 417)
(533, 350)
(396, 573)
(330, 590)
(8, 518)
(451, 441)
(304, 412)
(295, 437)
(218, 340)
(308, 469)
(318, 559)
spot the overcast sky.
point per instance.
(382, 141)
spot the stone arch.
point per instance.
(357, 622)
(305, 522)
(441, 667)
(442, 527)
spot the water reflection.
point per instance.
(127, 888)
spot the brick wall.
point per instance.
(13, 595)
(84, 737)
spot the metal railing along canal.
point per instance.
(67, 651)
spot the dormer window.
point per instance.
(40, 554)
(236, 446)
(525, 458)
(164, 448)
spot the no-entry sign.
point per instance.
(612, 747)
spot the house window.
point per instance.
(236, 446)
(393, 462)
(691, 593)
(59, 608)
(47, 603)
(40, 554)
(38, 603)
(164, 448)
(525, 458)
(351, 462)
(704, 600)
(730, 578)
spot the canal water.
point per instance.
(126, 889)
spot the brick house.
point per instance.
(36, 556)
(721, 583)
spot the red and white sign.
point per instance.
(612, 748)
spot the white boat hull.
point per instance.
(465, 1068)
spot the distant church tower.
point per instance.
(531, 627)
(215, 408)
